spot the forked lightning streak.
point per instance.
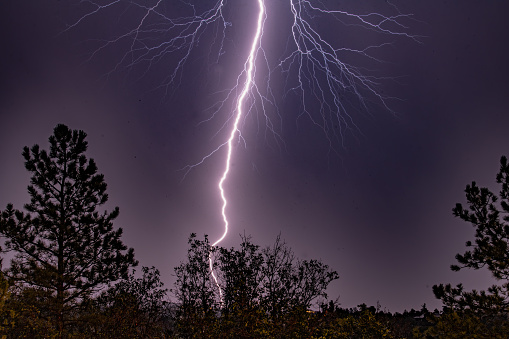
(312, 67)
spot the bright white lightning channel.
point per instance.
(315, 67)
(248, 70)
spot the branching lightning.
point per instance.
(315, 67)
(249, 69)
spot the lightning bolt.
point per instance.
(248, 83)
(314, 67)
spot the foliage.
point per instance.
(65, 249)
(6, 314)
(278, 272)
(72, 277)
(265, 293)
(465, 324)
(27, 313)
(492, 301)
(240, 276)
(365, 325)
(133, 308)
(490, 249)
(195, 290)
(489, 215)
(492, 228)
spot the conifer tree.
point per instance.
(65, 248)
(488, 213)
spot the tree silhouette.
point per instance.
(133, 308)
(266, 292)
(491, 247)
(65, 249)
(489, 215)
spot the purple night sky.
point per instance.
(379, 212)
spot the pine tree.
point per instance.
(489, 215)
(65, 248)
